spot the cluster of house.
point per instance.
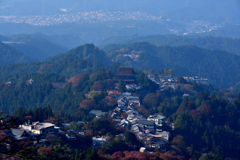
(168, 81)
(197, 80)
(149, 131)
(133, 87)
(163, 81)
(130, 56)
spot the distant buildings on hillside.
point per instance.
(197, 80)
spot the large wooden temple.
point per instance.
(126, 74)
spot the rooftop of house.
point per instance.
(145, 122)
(157, 116)
(42, 125)
(18, 132)
(97, 112)
(125, 71)
(115, 92)
(37, 125)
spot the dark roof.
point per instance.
(19, 132)
(80, 122)
(97, 113)
(125, 71)
(145, 122)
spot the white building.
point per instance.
(40, 128)
(197, 80)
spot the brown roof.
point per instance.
(110, 92)
(125, 71)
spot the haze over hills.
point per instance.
(139, 66)
(67, 41)
(11, 55)
(35, 46)
(231, 45)
(96, 20)
(41, 47)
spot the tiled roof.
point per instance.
(125, 71)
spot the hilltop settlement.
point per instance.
(148, 114)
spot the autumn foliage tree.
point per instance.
(88, 104)
(97, 86)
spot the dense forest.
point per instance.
(11, 55)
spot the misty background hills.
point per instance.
(96, 20)
(179, 9)
(9, 55)
(50, 31)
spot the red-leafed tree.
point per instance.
(195, 114)
(88, 104)
(117, 155)
(142, 110)
(44, 150)
(97, 86)
(206, 109)
(110, 101)
(179, 141)
(186, 106)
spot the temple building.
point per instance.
(126, 74)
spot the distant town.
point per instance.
(196, 26)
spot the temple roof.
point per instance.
(125, 71)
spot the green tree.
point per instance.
(130, 138)
(121, 86)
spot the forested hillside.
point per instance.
(35, 46)
(11, 55)
(220, 67)
(231, 45)
(87, 51)
(67, 41)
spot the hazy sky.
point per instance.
(18, 7)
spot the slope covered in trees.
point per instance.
(35, 46)
(208, 42)
(84, 59)
(220, 67)
(67, 41)
(87, 51)
(11, 55)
